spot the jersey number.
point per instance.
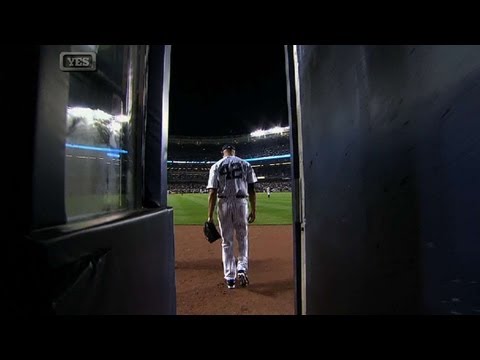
(233, 171)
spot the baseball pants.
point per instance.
(233, 215)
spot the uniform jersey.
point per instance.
(231, 176)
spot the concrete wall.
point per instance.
(391, 150)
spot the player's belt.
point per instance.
(237, 196)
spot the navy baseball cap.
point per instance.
(228, 146)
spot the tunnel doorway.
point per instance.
(214, 90)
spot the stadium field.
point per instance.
(192, 209)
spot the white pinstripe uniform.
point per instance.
(231, 176)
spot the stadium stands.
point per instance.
(190, 159)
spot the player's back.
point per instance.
(231, 176)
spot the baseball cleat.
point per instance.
(231, 284)
(242, 278)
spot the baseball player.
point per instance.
(231, 181)
(268, 191)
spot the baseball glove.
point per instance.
(211, 232)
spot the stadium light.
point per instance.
(258, 133)
(122, 118)
(116, 126)
(92, 115)
(275, 130)
(88, 113)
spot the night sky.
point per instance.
(221, 90)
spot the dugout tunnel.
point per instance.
(388, 201)
(92, 233)
(385, 146)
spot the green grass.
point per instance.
(192, 209)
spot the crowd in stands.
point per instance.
(276, 172)
(275, 186)
(179, 176)
(186, 188)
(195, 188)
(193, 177)
(245, 149)
(264, 148)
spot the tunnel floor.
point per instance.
(199, 274)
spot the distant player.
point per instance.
(231, 180)
(268, 191)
